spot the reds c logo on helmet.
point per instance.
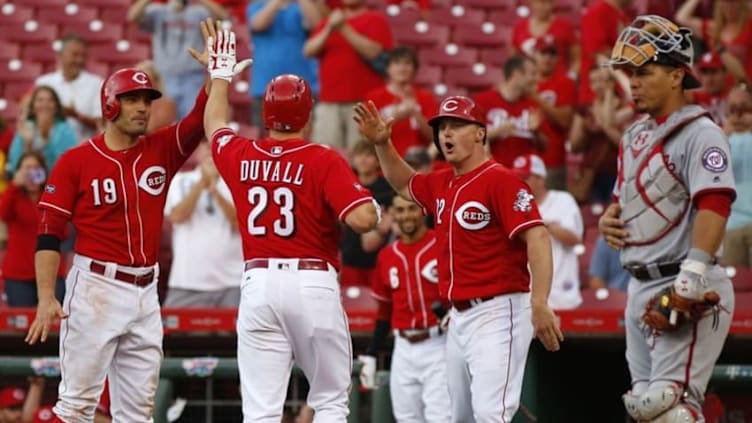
(288, 102)
(458, 107)
(122, 82)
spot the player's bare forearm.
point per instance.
(217, 107)
(565, 236)
(46, 263)
(708, 231)
(395, 169)
(136, 11)
(540, 258)
(315, 44)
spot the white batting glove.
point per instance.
(223, 63)
(368, 371)
(689, 283)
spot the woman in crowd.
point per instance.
(18, 209)
(41, 128)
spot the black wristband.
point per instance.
(48, 242)
(380, 332)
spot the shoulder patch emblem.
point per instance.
(714, 159)
(50, 189)
(523, 202)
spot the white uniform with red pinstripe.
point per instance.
(483, 272)
(114, 200)
(662, 168)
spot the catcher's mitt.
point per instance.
(667, 310)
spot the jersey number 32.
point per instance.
(283, 198)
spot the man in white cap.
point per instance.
(563, 219)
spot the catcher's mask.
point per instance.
(655, 39)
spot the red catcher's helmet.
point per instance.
(288, 102)
(121, 82)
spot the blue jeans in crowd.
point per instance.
(22, 293)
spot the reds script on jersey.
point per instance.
(113, 195)
(407, 277)
(477, 223)
(291, 192)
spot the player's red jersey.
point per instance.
(289, 194)
(405, 132)
(500, 111)
(407, 277)
(115, 199)
(478, 216)
(557, 91)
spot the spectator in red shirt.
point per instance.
(542, 23)
(715, 87)
(401, 99)
(729, 31)
(556, 98)
(602, 21)
(350, 44)
(514, 119)
(18, 209)
(596, 132)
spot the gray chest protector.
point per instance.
(653, 198)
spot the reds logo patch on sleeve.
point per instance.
(523, 202)
(714, 159)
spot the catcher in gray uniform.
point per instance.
(672, 196)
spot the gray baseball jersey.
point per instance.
(662, 168)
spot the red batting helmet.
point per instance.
(288, 102)
(121, 82)
(459, 107)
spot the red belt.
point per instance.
(463, 305)
(303, 264)
(138, 280)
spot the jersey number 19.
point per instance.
(283, 198)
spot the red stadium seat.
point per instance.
(17, 90)
(591, 213)
(113, 13)
(245, 130)
(494, 56)
(98, 68)
(421, 34)
(9, 109)
(741, 277)
(134, 33)
(457, 15)
(490, 4)
(449, 55)
(15, 70)
(67, 14)
(9, 50)
(428, 76)
(566, 7)
(442, 90)
(120, 54)
(30, 32)
(504, 17)
(39, 52)
(14, 13)
(96, 31)
(485, 35)
(106, 3)
(239, 93)
(44, 3)
(474, 78)
(615, 300)
(402, 16)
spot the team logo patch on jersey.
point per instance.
(50, 189)
(431, 271)
(473, 216)
(276, 150)
(153, 180)
(714, 159)
(222, 141)
(523, 202)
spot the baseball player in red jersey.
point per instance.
(406, 289)
(487, 229)
(113, 189)
(673, 195)
(289, 195)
